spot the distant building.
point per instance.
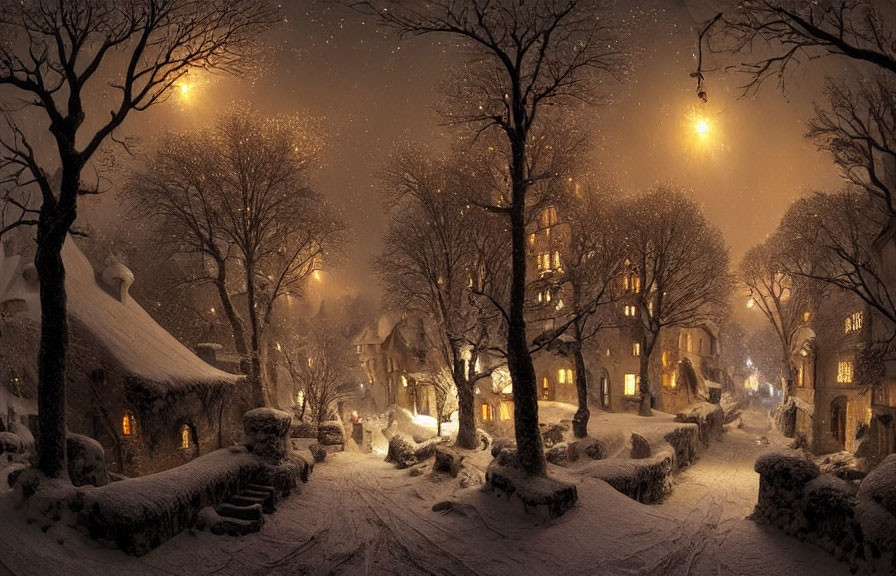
(393, 355)
(144, 396)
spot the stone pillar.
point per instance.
(266, 431)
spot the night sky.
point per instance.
(372, 90)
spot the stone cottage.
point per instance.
(143, 395)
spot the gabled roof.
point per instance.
(129, 341)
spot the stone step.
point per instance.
(243, 500)
(269, 501)
(237, 527)
(261, 488)
(253, 512)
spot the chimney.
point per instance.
(119, 278)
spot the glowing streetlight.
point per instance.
(701, 127)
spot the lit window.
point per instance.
(540, 297)
(630, 310)
(404, 382)
(844, 372)
(300, 397)
(486, 412)
(853, 322)
(547, 296)
(548, 217)
(186, 437)
(532, 239)
(665, 358)
(630, 381)
(806, 316)
(565, 376)
(557, 260)
(636, 348)
(545, 389)
(128, 425)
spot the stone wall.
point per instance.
(854, 521)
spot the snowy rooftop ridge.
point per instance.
(129, 334)
(147, 355)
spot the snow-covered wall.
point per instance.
(856, 523)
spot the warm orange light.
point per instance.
(701, 127)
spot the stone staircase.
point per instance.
(244, 512)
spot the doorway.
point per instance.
(604, 391)
(838, 420)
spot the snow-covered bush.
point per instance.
(86, 461)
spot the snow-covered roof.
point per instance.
(132, 343)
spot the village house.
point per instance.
(393, 355)
(132, 386)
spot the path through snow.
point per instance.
(359, 515)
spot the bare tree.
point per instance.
(55, 58)
(323, 366)
(533, 56)
(441, 257)
(237, 194)
(786, 300)
(859, 131)
(832, 239)
(576, 298)
(681, 263)
(798, 31)
(859, 128)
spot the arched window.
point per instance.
(186, 437)
(128, 424)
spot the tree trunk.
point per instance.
(256, 377)
(466, 420)
(530, 453)
(580, 420)
(236, 323)
(54, 340)
(647, 342)
(786, 376)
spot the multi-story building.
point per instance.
(392, 352)
(845, 394)
(685, 361)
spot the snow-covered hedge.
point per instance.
(856, 524)
(137, 515)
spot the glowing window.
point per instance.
(300, 397)
(128, 424)
(404, 382)
(564, 376)
(486, 412)
(557, 260)
(853, 322)
(186, 436)
(844, 372)
(630, 381)
(636, 348)
(548, 217)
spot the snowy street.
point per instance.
(359, 515)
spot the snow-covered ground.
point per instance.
(359, 515)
